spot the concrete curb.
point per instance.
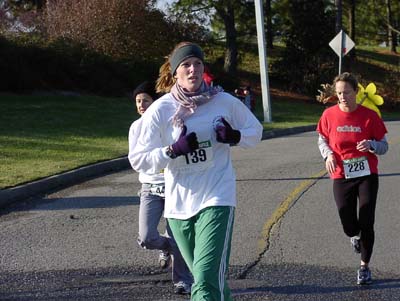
(290, 131)
(75, 176)
(52, 183)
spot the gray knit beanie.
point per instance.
(184, 52)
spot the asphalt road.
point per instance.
(80, 243)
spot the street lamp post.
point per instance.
(262, 54)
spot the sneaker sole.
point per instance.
(181, 292)
(356, 247)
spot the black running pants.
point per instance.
(346, 193)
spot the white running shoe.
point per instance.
(182, 288)
(164, 259)
(355, 243)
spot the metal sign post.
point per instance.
(341, 44)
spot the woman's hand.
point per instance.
(363, 146)
(226, 134)
(186, 143)
(330, 164)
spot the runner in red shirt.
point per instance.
(350, 137)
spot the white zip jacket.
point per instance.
(206, 176)
(134, 132)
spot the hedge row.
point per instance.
(28, 64)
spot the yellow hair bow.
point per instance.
(367, 98)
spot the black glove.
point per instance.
(225, 133)
(185, 143)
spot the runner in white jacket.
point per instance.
(188, 133)
(152, 201)
(208, 171)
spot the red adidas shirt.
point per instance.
(343, 130)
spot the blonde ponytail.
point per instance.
(165, 79)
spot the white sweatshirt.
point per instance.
(206, 176)
(134, 132)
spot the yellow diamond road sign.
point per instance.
(341, 44)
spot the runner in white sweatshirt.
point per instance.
(152, 200)
(188, 133)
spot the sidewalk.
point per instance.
(81, 174)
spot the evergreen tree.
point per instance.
(307, 60)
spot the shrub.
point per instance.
(27, 65)
(120, 29)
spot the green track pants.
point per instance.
(205, 243)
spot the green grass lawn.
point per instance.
(379, 56)
(45, 135)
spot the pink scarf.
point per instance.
(189, 101)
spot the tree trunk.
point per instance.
(338, 4)
(390, 34)
(270, 35)
(352, 20)
(352, 29)
(228, 15)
